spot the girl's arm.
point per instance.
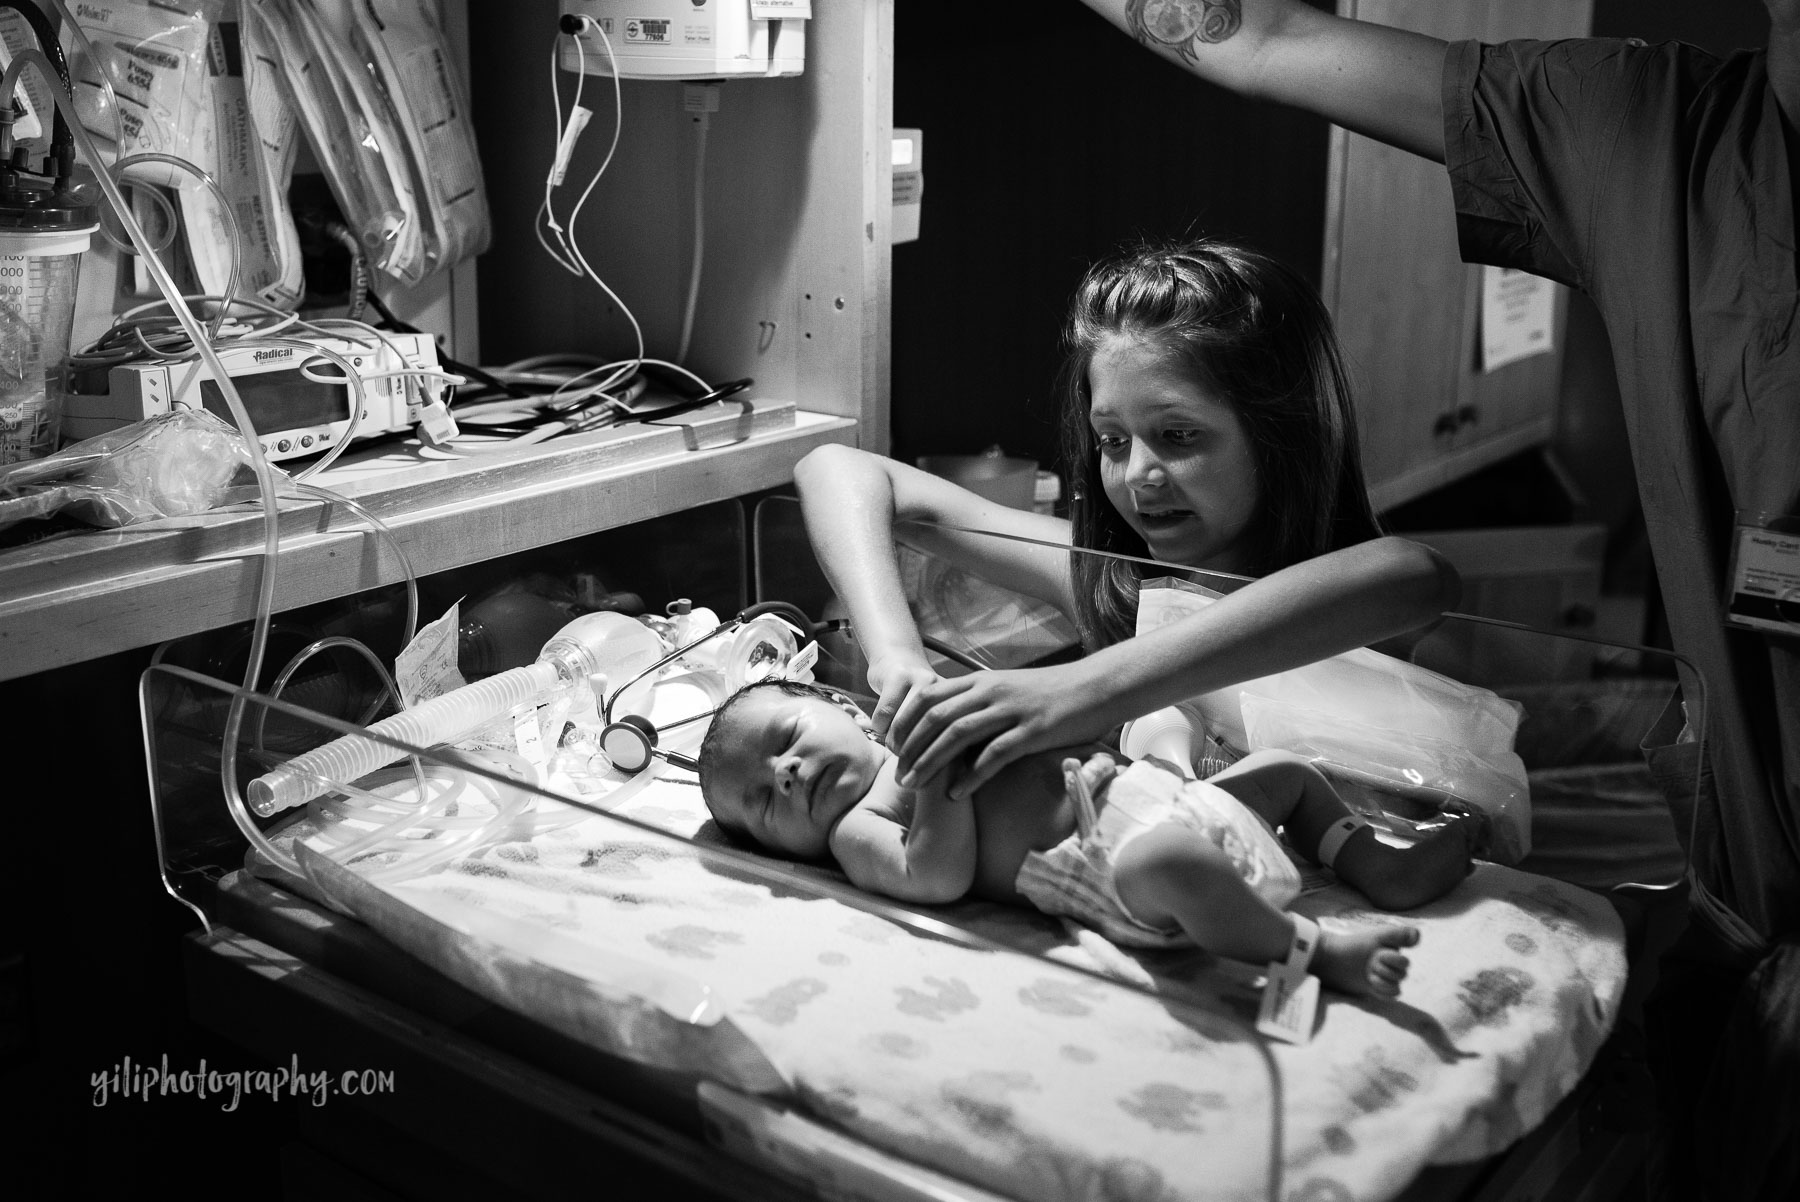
(852, 501)
(1344, 599)
(930, 859)
(1373, 79)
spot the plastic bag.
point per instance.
(983, 620)
(1411, 741)
(186, 461)
(1409, 781)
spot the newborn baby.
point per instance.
(1145, 857)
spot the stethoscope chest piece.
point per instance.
(629, 743)
(762, 644)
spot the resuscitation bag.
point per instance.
(1404, 744)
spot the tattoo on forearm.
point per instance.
(1180, 24)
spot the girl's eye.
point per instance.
(1181, 438)
(1109, 442)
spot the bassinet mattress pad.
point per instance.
(1034, 1082)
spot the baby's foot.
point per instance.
(1368, 963)
(1399, 878)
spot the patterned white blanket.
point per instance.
(1014, 1072)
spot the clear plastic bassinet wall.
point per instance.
(512, 854)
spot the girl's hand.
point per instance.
(999, 715)
(894, 681)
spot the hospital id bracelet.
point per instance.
(1290, 997)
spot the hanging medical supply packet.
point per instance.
(372, 191)
(376, 122)
(252, 172)
(154, 55)
(176, 72)
(1413, 736)
(402, 44)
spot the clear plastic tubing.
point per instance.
(440, 720)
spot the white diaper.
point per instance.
(1075, 878)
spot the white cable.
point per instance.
(546, 214)
(693, 292)
(572, 242)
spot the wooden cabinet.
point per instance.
(1407, 308)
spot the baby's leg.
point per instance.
(1173, 874)
(1289, 792)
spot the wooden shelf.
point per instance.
(83, 596)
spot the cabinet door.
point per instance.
(1407, 307)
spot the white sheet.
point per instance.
(1038, 1083)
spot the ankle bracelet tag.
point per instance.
(1290, 997)
(1335, 836)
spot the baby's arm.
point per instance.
(930, 858)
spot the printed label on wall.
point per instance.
(1518, 311)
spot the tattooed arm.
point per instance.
(1376, 80)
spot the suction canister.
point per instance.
(44, 231)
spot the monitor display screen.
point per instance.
(281, 400)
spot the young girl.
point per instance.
(1146, 858)
(1207, 424)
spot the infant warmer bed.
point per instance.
(630, 981)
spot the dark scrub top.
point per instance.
(1656, 179)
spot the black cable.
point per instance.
(951, 653)
(468, 370)
(728, 389)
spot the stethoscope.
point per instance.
(630, 741)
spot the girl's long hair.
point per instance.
(1255, 333)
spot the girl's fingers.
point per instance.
(915, 705)
(892, 705)
(1000, 751)
(923, 718)
(939, 747)
(883, 717)
(893, 710)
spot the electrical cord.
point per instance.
(468, 370)
(702, 120)
(567, 253)
(340, 233)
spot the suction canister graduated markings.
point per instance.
(45, 223)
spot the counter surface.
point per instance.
(78, 597)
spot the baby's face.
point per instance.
(791, 768)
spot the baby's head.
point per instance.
(783, 761)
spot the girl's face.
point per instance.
(794, 766)
(1175, 458)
